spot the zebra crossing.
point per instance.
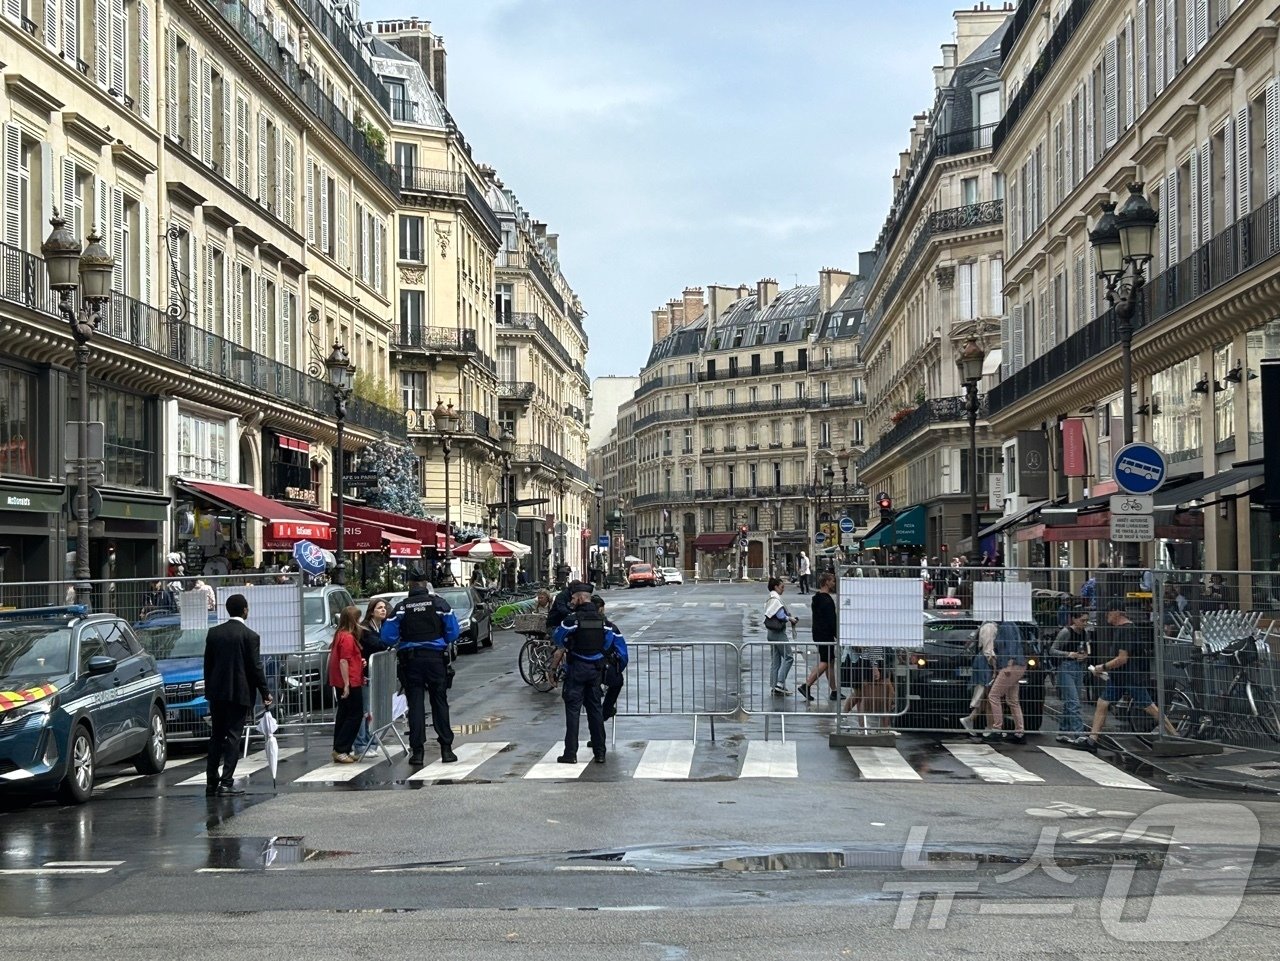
(922, 762)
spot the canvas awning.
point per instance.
(715, 541)
(284, 523)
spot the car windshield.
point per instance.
(459, 600)
(171, 641)
(313, 611)
(642, 569)
(33, 651)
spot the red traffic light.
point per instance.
(742, 529)
(885, 502)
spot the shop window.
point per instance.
(129, 422)
(202, 448)
(17, 423)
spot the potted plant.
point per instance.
(902, 414)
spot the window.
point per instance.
(800, 390)
(775, 433)
(688, 440)
(130, 428)
(777, 393)
(708, 438)
(18, 425)
(411, 239)
(729, 473)
(737, 337)
(966, 292)
(752, 394)
(413, 390)
(503, 303)
(777, 473)
(997, 287)
(507, 364)
(824, 434)
(997, 186)
(202, 448)
(406, 162)
(857, 432)
(412, 304)
(752, 472)
(731, 396)
(688, 480)
(707, 475)
(968, 191)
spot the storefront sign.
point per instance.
(303, 495)
(299, 530)
(35, 501)
(995, 492)
(1074, 462)
(1033, 465)
(400, 549)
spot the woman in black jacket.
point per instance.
(825, 637)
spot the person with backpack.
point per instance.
(1010, 665)
(427, 627)
(562, 606)
(583, 640)
(776, 622)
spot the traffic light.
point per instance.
(886, 506)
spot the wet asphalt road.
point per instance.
(506, 862)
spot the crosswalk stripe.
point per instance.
(246, 766)
(1096, 769)
(689, 604)
(115, 782)
(990, 765)
(549, 769)
(669, 760)
(770, 759)
(470, 756)
(883, 764)
(717, 604)
(347, 772)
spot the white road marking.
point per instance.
(770, 759)
(427, 869)
(666, 760)
(883, 764)
(1096, 769)
(115, 782)
(49, 872)
(170, 764)
(597, 868)
(246, 766)
(82, 864)
(332, 773)
(689, 604)
(549, 769)
(470, 756)
(717, 604)
(990, 765)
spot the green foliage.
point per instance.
(374, 137)
(387, 579)
(376, 390)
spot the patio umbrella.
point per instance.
(631, 559)
(268, 725)
(487, 547)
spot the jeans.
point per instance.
(1070, 679)
(364, 737)
(782, 659)
(804, 583)
(346, 723)
(582, 688)
(227, 722)
(1005, 689)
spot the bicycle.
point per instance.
(535, 664)
(1232, 713)
(504, 617)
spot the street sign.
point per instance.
(561, 528)
(659, 552)
(361, 478)
(1139, 468)
(95, 503)
(819, 538)
(71, 442)
(603, 541)
(848, 540)
(1133, 504)
(846, 525)
(1133, 528)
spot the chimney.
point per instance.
(694, 304)
(718, 301)
(743, 291)
(553, 241)
(661, 324)
(539, 230)
(831, 284)
(867, 263)
(438, 72)
(766, 292)
(675, 310)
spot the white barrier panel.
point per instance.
(1002, 601)
(275, 612)
(881, 611)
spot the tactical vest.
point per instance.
(588, 640)
(420, 620)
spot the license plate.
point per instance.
(964, 672)
(170, 715)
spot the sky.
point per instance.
(675, 143)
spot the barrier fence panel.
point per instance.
(681, 679)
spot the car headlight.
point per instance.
(20, 715)
(921, 662)
(198, 688)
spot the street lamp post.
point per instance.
(970, 362)
(562, 487)
(599, 491)
(446, 422)
(508, 445)
(829, 479)
(342, 377)
(71, 269)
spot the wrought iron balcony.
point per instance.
(446, 340)
(516, 390)
(523, 321)
(522, 260)
(431, 180)
(539, 454)
(941, 410)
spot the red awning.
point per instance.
(358, 536)
(1102, 532)
(423, 530)
(719, 541)
(292, 443)
(400, 546)
(284, 523)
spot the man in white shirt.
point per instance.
(802, 569)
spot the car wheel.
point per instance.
(488, 638)
(77, 786)
(152, 758)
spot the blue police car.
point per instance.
(76, 690)
(179, 655)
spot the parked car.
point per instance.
(641, 575)
(474, 613)
(179, 655)
(308, 671)
(941, 672)
(671, 575)
(78, 691)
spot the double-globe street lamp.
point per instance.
(342, 379)
(89, 270)
(507, 444)
(599, 492)
(446, 423)
(970, 361)
(562, 488)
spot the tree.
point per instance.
(397, 468)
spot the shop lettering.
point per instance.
(304, 494)
(15, 501)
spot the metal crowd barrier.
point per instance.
(381, 706)
(698, 679)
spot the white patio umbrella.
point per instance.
(488, 547)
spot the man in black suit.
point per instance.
(232, 676)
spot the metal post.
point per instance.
(83, 588)
(448, 516)
(971, 391)
(340, 572)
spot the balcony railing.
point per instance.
(23, 281)
(339, 36)
(470, 423)
(475, 197)
(431, 180)
(1250, 241)
(522, 260)
(941, 410)
(515, 390)
(539, 326)
(404, 110)
(743, 492)
(758, 370)
(444, 339)
(539, 454)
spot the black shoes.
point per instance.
(600, 756)
(229, 790)
(568, 759)
(1016, 739)
(446, 754)
(803, 691)
(415, 760)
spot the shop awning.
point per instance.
(293, 443)
(284, 523)
(1009, 520)
(358, 536)
(905, 530)
(1067, 513)
(400, 546)
(1188, 527)
(1196, 490)
(422, 530)
(873, 535)
(716, 541)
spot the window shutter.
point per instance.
(144, 59)
(228, 133)
(260, 335)
(1006, 345)
(210, 322)
(1111, 95)
(341, 251)
(323, 183)
(1140, 57)
(997, 286)
(1171, 191)
(1206, 193)
(311, 201)
(1159, 42)
(242, 142)
(1195, 198)
(117, 239)
(206, 111)
(290, 180)
(1081, 165)
(1092, 281)
(144, 254)
(1018, 349)
(102, 43)
(237, 305)
(68, 195)
(171, 83)
(1273, 139)
(366, 245)
(379, 236)
(1089, 114)
(1049, 313)
(1068, 148)
(1130, 71)
(71, 31)
(1243, 173)
(277, 174)
(288, 308)
(1079, 279)
(263, 179)
(51, 24)
(1170, 41)
(1228, 172)
(1202, 24)
(118, 55)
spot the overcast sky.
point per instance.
(675, 143)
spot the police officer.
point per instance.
(427, 627)
(582, 641)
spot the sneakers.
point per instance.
(966, 722)
(803, 691)
(1016, 739)
(833, 696)
(992, 736)
(344, 758)
(780, 691)
(1084, 743)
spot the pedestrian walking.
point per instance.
(981, 676)
(1070, 651)
(615, 663)
(428, 627)
(824, 630)
(346, 677)
(232, 677)
(1010, 665)
(371, 643)
(582, 640)
(1126, 672)
(803, 569)
(776, 622)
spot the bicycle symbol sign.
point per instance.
(1139, 468)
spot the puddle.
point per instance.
(247, 854)
(487, 723)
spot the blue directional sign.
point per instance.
(1139, 468)
(820, 538)
(604, 540)
(846, 525)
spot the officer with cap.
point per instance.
(582, 641)
(427, 627)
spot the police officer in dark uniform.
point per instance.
(582, 641)
(427, 627)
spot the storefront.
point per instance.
(289, 475)
(30, 527)
(218, 536)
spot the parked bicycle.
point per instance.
(1234, 714)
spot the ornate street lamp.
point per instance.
(342, 379)
(599, 492)
(562, 487)
(970, 361)
(446, 423)
(507, 443)
(69, 269)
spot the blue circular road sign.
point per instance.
(1139, 468)
(820, 538)
(846, 525)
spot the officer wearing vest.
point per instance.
(427, 627)
(582, 641)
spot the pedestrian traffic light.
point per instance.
(886, 506)
(743, 530)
